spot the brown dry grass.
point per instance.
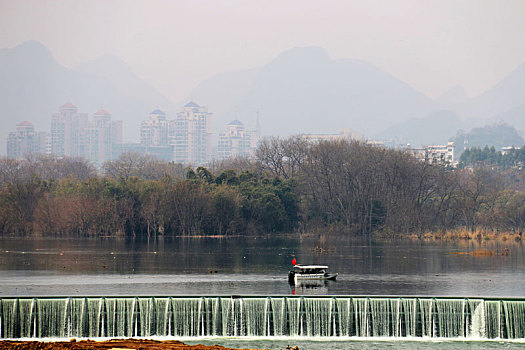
(134, 344)
(463, 234)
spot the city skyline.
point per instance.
(377, 68)
(319, 95)
(186, 138)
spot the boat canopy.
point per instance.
(317, 267)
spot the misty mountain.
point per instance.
(124, 79)
(435, 129)
(221, 92)
(496, 103)
(33, 85)
(503, 97)
(303, 90)
(515, 116)
(454, 99)
(504, 102)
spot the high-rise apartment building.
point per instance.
(190, 134)
(236, 141)
(25, 140)
(98, 138)
(154, 131)
(154, 136)
(74, 135)
(68, 136)
(116, 132)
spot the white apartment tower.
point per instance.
(235, 141)
(25, 140)
(116, 132)
(191, 135)
(68, 132)
(98, 137)
(74, 135)
(154, 131)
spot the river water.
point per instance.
(259, 266)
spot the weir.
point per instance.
(327, 316)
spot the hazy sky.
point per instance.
(431, 45)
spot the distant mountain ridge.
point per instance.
(118, 73)
(454, 98)
(220, 92)
(506, 95)
(302, 90)
(33, 85)
(443, 125)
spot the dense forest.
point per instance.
(290, 185)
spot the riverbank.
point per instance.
(463, 234)
(114, 344)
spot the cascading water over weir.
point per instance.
(338, 316)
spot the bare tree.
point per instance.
(51, 168)
(478, 188)
(240, 164)
(282, 157)
(143, 166)
(12, 171)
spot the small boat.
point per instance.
(310, 272)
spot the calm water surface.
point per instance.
(256, 266)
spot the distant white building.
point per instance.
(74, 135)
(236, 141)
(344, 134)
(154, 131)
(507, 150)
(98, 136)
(68, 132)
(116, 132)
(436, 154)
(25, 140)
(191, 135)
(386, 144)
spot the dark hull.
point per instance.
(294, 277)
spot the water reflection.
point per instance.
(310, 287)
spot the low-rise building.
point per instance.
(344, 134)
(435, 154)
(507, 150)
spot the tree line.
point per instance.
(488, 156)
(290, 185)
(139, 196)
